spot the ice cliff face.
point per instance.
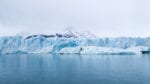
(82, 43)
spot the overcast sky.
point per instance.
(105, 18)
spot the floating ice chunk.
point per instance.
(104, 50)
(138, 49)
(95, 50)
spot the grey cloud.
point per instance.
(102, 17)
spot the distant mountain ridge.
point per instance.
(68, 33)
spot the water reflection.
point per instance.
(74, 69)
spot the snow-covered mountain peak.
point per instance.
(80, 34)
(69, 30)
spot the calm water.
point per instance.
(74, 69)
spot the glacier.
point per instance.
(72, 43)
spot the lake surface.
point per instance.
(74, 69)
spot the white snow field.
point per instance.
(72, 43)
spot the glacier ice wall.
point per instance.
(53, 44)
